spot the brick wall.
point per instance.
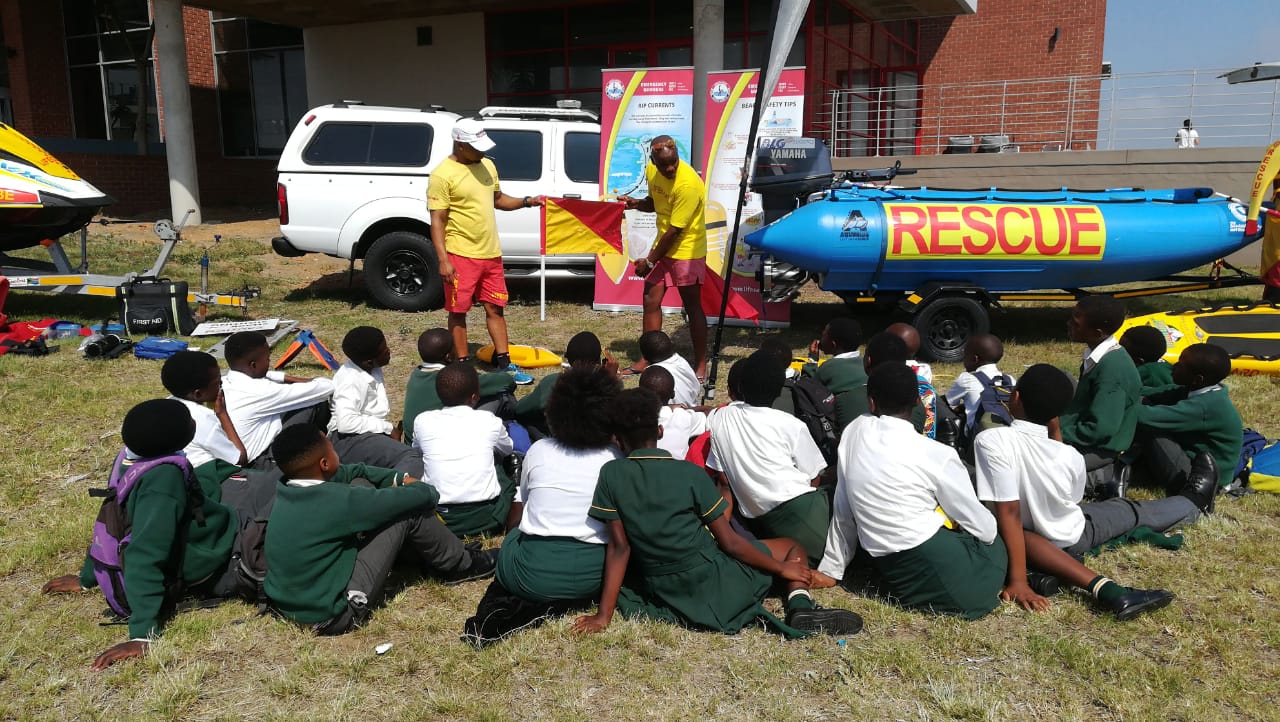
(42, 108)
(1010, 40)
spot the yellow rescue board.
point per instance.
(1249, 333)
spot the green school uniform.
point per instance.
(1155, 375)
(157, 509)
(1206, 422)
(531, 410)
(481, 517)
(677, 572)
(311, 548)
(1103, 414)
(847, 379)
(803, 519)
(420, 394)
(952, 573)
(550, 569)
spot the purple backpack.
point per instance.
(113, 529)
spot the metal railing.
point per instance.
(1102, 112)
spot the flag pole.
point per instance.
(542, 266)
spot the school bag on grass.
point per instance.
(113, 530)
(815, 405)
(1263, 470)
(158, 347)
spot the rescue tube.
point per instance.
(528, 357)
(1250, 334)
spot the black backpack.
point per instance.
(815, 405)
(993, 408)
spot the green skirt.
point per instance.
(951, 573)
(549, 569)
(711, 590)
(803, 519)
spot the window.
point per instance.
(262, 84)
(582, 157)
(381, 144)
(105, 77)
(517, 154)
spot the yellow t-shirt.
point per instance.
(466, 191)
(680, 202)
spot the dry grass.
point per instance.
(1212, 655)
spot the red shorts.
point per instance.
(671, 272)
(477, 279)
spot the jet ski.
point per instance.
(40, 197)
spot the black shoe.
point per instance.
(1138, 601)
(482, 565)
(835, 622)
(1202, 483)
(1046, 585)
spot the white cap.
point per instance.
(469, 131)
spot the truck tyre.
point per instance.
(401, 272)
(947, 324)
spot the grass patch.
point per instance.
(1211, 655)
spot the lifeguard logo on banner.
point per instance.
(994, 230)
(614, 89)
(720, 91)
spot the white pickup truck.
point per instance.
(352, 183)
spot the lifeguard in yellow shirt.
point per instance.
(679, 256)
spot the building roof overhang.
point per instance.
(311, 13)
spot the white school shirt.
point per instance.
(359, 401)
(678, 426)
(688, 390)
(556, 487)
(891, 480)
(967, 390)
(458, 444)
(256, 405)
(210, 441)
(767, 454)
(1095, 354)
(1021, 463)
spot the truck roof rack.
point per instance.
(562, 112)
(347, 103)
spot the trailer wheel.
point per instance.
(945, 325)
(401, 272)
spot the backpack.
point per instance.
(1253, 442)
(113, 530)
(158, 347)
(993, 402)
(815, 405)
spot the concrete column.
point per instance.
(708, 56)
(179, 136)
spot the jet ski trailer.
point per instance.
(42, 200)
(946, 257)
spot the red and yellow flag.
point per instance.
(570, 225)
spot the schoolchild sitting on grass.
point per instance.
(679, 424)
(261, 401)
(981, 354)
(583, 350)
(435, 348)
(770, 461)
(1193, 416)
(177, 544)
(359, 427)
(659, 511)
(1036, 483)
(462, 452)
(553, 556)
(1103, 414)
(657, 350)
(193, 377)
(1147, 347)
(336, 530)
(844, 372)
(896, 491)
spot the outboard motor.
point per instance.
(787, 171)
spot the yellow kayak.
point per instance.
(526, 357)
(1249, 333)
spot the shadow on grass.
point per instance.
(37, 306)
